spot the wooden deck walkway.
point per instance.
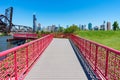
(58, 62)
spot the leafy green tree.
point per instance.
(71, 29)
(115, 25)
(60, 29)
(68, 30)
(37, 32)
(42, 32)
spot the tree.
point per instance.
(115, 25)
(60, 29)
(71, 29)
(42, 32)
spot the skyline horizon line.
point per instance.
(79, 24)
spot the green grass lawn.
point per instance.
(108, 38)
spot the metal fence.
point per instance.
(15, 62)
(103, 60)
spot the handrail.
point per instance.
(104, 61)
(15, 62)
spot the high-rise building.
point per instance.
(39, 27)
(102, 27)
(34, 23)
(53, 28)
(96, 28)
(48, 29)
(83, 27)
(90, 26)
(56, 29)
(80, 27)
(108, 25)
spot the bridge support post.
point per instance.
(27, 57)
(15, 65)
(90, 52)
(106, 67)
(96, 57)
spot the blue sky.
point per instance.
(63, 12)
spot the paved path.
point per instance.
(58, 62)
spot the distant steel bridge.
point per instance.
(7, 26)
(21, 28)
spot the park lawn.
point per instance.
(108, 38)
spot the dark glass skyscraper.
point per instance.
(90, 26)
(34, 23)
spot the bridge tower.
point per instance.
(34, 22)
(8, 14)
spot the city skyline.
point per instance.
(63, 12)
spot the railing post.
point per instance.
(90, 51)
(96, 57)
(85, 49)
(82, 47)
(33, 51)
(27, 57)
(38, 48)
(43, 43)
(114, 67)
(106, 68)
(15, 65)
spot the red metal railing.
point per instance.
(104, 61)
(15, 62)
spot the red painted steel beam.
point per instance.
(25, 36)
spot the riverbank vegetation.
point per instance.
(3, 34)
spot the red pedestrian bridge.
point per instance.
(25, 36)
(51, 58)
